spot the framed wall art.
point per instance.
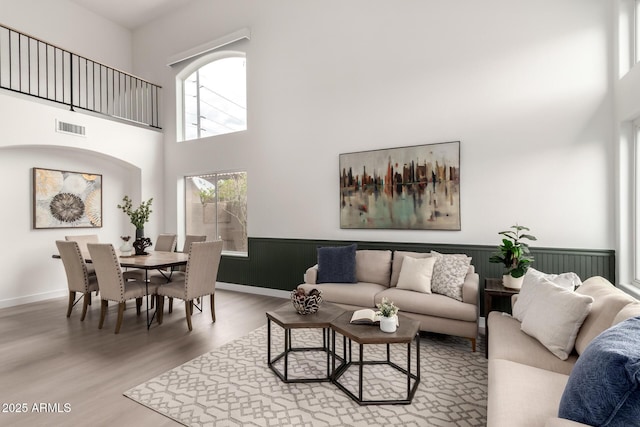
(414, 188)
(63, 199)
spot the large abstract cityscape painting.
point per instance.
(413, 188)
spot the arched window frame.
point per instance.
(192, 67)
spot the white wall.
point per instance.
(525, 87)
(71, 27)
(129, 158)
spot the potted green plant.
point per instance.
(139, 216)
(514, 255)
(388, 313)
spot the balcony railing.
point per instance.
(37, 68)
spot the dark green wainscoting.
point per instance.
(281, 263)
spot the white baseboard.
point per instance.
(12, 302)
(253, 290)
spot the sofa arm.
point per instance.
(311, 275)
(561, 422)
(470, 288)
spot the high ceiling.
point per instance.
(131, 13)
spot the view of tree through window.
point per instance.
(215, 99)
(216, 206)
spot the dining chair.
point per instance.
(113, 286)
(82, 240)
(199, 279)
(78, 277)
(178, 272)
(165, 243)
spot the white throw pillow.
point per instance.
(416, 273)
(555, 316)
(449, 273)
(530, 282)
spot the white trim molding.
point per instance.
(244, 33)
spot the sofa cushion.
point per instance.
(398, 257)
(429, 304)
(337, 264)
(608, 301)
(521, 395)
(507, 341)
(373, 266)
(449, 272)
(531, 279)
(629, 311)
(359, 294)
(604, 387)
(416, 274)
(555, 316)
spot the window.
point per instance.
(216, 206)
(215, 98)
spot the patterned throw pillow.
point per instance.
(449, 272)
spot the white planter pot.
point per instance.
(388, 324)
(511, 282)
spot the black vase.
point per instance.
(139, 233)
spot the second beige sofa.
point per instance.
(377, 273)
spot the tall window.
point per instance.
(216, 206)
(215, 98)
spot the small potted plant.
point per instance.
(514, 255)
(388, 313)
(139, 216)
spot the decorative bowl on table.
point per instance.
(306, 303)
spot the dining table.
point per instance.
(152, 260)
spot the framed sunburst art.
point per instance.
(63, 199)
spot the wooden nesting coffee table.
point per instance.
(407, 332)
(288, 318)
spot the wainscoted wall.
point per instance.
(280, 263)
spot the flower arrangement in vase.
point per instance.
(388, 313)
(138, 217)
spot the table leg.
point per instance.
(146, 287)
(268, 341)
(286, 352)
(325, 339)
(408, 369)
(360, 371)
(333, 359)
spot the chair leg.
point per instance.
(139, 304)
(72, 298)
(473, 344)
(213, 308)
(120, 316)
(152, 301)
(170, 305)
(85, 304)
(160, 309)
(103, 312)
(187, 309)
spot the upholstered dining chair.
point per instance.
(113, 286)
(82, 240)
(199, 279)
(78, 277)
(179, 271)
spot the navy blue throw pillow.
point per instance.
(337, 264)
(604, 385)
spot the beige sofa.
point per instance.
(377, 273)
(526, 381)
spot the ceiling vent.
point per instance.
(70, 128)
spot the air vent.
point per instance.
(70, 128)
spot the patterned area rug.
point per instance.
(233, 386)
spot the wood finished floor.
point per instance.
(47, 358)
